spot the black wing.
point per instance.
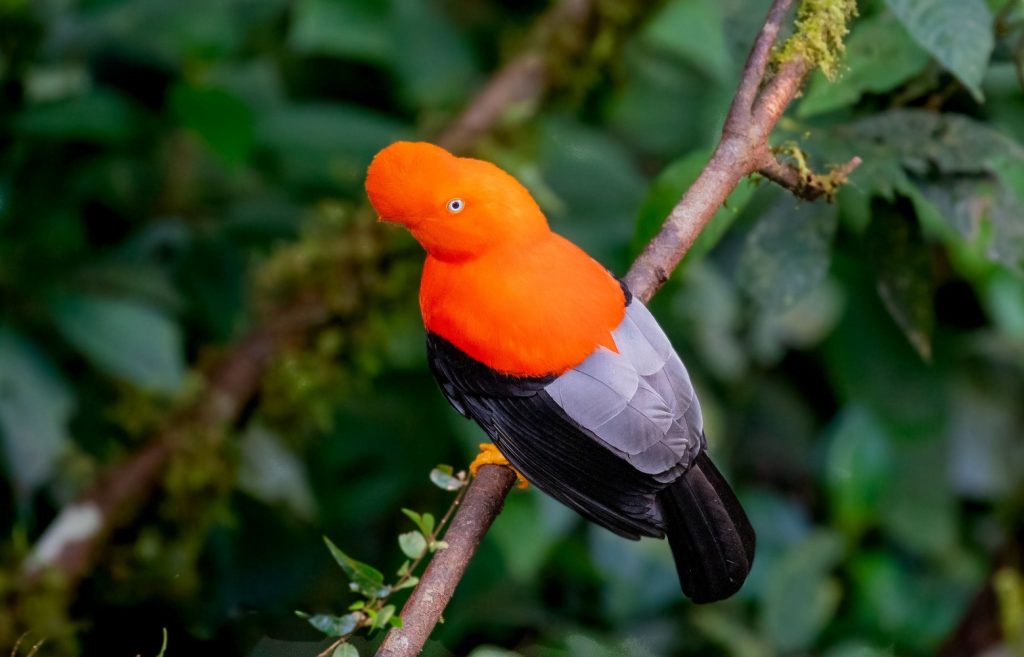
(552, 451)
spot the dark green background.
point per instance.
(170, 170)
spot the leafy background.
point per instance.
(170, 170)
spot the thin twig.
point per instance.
(483, 502)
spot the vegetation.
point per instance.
(181, 186)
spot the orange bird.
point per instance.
(572, 378)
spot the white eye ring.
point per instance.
(456, 205)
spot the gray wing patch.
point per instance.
(639, 402)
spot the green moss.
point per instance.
(821, 26)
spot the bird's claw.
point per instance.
(489, 455)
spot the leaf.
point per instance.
(957, 32)
(922, 513)
(800, 596)
(902, 265)
(408, 583)
(125, 339)
(669, 187)
(220, 118)
(36, 405)
(345, 28)
(366, 579)
(858, 465)
(880, 56)
(693, 30)
(445, 481)
(413, 544)
(901, 143)
(270, 472)
(345, 650)
(325, 145)
(333, 625)
(384, 616)
(434, 63)
(100, 116)
(425, 522)
(787, 253)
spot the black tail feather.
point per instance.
(711, 538)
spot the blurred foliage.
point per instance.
(176, 172)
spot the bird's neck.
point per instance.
(525, 312)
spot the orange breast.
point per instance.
(524, 311)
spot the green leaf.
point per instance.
(396, 622)
(413, 544)
(334, 625)
(35, 407)
(693, 30)
(438, 545)
(957, 32)
(445, 481)
(272, 473)
(858, 465)
(125, 339)
(903, 265)
(434, 63)
(880, 56)
(922, 513)
(325, 145)
(346, 28)
(898, 144)
(364, 578)
(427, 526)
(100, 116)
(408, 583)
(220, 118)
(800, 596)
(669, 187)
(345, 650)
(787, 253)
(385, 615)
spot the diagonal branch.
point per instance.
(743, 149)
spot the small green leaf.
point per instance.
(163, 645)
(788, 252)
(428, 524)
(444, 480)
(413, 544)
(36, 405)
(408, 583)
(396, 622)
(412, 515)
(957, 32)
(903, 265)
(404, 569)
(447, 469)
(357, 605)
(384, 616)
(334, 625)
(365, 578)
(224, 123)
(438, 545)
(126, 339)
(345, 650)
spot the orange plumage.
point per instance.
(497, 282)
(570, 377)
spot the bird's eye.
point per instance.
(456, 205)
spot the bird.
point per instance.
(569, 375)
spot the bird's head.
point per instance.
(458, 208)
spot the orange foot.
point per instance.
(489, 455)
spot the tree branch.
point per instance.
(742, 150)
(72, 542)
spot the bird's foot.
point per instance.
(489, 455)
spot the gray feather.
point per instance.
(638, 402)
